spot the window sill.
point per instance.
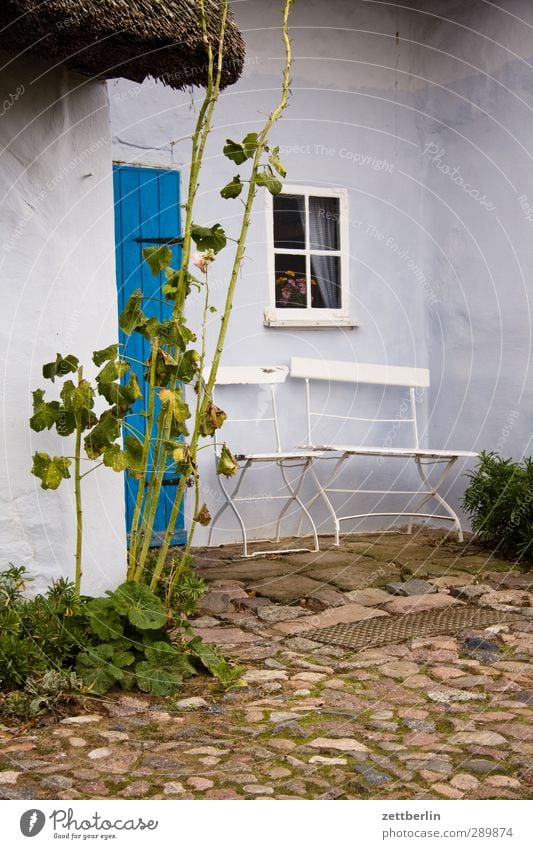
(271, 320)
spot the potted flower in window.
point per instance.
(291, 289)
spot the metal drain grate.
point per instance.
(382, 630)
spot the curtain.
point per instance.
(323, 235)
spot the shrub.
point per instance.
(499, 500)
(57, 645)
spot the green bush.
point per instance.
(58, 644)
(499, 500)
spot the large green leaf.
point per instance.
(45, 414)
(104, 619)
(239, 152)
(133, 455)
(233, 188)
(60, 367)
(228, 675)
(142, 607)
(113, 370)
(188, 366)
(266, 178)
(158, 258)
(163, 670)
(209, 238)
(78, 398)
(101, 667)
(132, 316)
(173, 400)
(227, 464)
(114, 458)
(103, 434)
(50, 470)
(105, 354)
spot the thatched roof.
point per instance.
(122, 38)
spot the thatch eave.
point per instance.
(122, 38)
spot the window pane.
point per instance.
(289, 222)
(325, 282)
(324, 224)
(291, 289)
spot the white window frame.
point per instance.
(310, 316)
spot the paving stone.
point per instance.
(325, 761)
(465, 782)
(447, 790)
(77, 742)
(280, 613)
(173, 788)
(516, 598)
(197, 782)
(278, 772)
(349, 576)
(342, 744)
(224, 636)
(417, 603)
(449, 581)
(301, 644)
(287, 588)
(481, 766)
(409, 588)
(469, 592)
(372, 776)
(97, 754)
(451, 695)
(192, 703)
(84, 719)
(351, 612)
(214, 602)
(512, 580)
(478, 738)
(205, 622)
(259, 676)
(95, 788)
(369, 597)
(399, 669)
(309, 677)
(9, 776)
(251, 603)
(324, 598)
(502, 781)
(282, 745)
(258, 789)
(136, 790)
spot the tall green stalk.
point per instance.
(199, 140)
(77, 494)
(239, 255)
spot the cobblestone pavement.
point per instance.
(443, 717)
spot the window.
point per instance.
(309, 257)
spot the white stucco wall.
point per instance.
(58, 294)
(438, 277)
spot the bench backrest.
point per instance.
(336, 371)
(249, 376)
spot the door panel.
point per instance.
(147, 209)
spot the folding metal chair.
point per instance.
(236, 380)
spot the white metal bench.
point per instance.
(335, 372)
(246, 378)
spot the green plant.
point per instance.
(499, 500)
(46, 693)
(73, 415)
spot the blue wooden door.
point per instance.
(147, 212)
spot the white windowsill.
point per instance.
(271, 321)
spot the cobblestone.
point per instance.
(436, 717)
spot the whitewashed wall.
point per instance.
(58, 294)
(425, 116)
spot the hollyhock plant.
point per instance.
(201, 259)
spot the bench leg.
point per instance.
(432, 492)
(295, 496)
